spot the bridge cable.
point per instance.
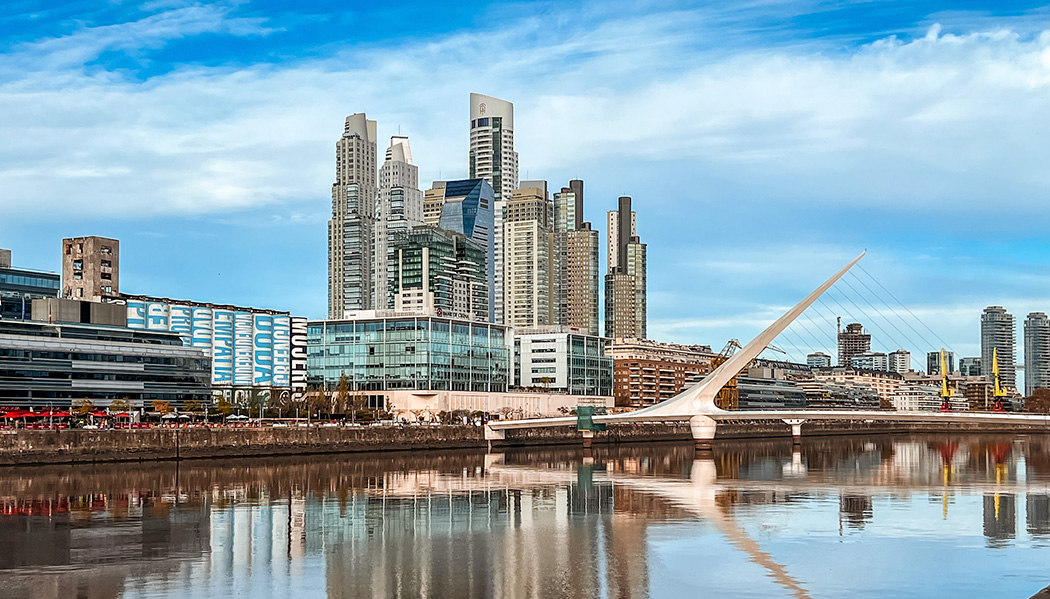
(876, 281)
(906, 337)
(866, 316)
(872, 320)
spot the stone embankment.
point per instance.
(81, 446)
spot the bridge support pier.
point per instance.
(796, 429)
(494, 435)
(588, 438)
(703, 429)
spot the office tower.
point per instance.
(853, 341)
(899, 361)
(433, 199)
(818, 360)
(998, 332)
(528, 257)
(90, 268)
(439, 273)
(492, 158)
(933, 361)
(1036, 352)
(398, 209)
(467, 209)
(625, 282)
(576, 262)
(351, 231)
(970, 366)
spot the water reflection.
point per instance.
(752, 519)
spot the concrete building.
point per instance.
(576, 269)
(870, 360)
(912, 397)
(255, 355)
(399, 208)
(433, 199)
(933, 361)
(50, 365)
(646, 372)
(899, 361)
(1036, 352)
(439, 273)
(467, 209)
(852, 341)
(818, 360)
(492, 158)
(351, 232)
(57, 310)
(830, 395)
(625, 291)
(562, 360)
(90, 268)
(528, 258)
(19, 287)
(970, 366)
(998, 332)
(386, 351)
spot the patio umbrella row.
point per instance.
(57, 414)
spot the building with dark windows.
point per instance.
(50, 365)
(90, 268)
(562, 360)
(19, 287)
(439, 273)
(467, 208)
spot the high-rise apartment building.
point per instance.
(970, 366)
(899, 361)
(90, 268)
(439, 273)
(999, 333)
(818, 360)
(625, 296)
(433, 199)
(933, 361)
(492, 158)
(528, 257)
(351, 232)
(576, 262)
(467, 209)
(1036, 352)
(853, 341)
(398, 209)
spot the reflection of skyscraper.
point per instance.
(1000, 518)
(855, 510)
(1037, 514)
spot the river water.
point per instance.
(925, 516)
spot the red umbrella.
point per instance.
(100, 414)
(122, 415)
(61, 414)
(15, 414)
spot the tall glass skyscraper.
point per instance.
(468, 209)
(1036, 352)
(998, 332)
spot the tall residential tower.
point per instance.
(351, 231)
(398, 209)
(1036, 352)
(576, 261)
(528, 259)
(492, 158)
(998, 332)
(625, 283)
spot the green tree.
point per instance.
(342, 396)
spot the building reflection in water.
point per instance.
(540, 523)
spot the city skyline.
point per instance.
(259, 234)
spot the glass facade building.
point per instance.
(18, 289)
(408, 352)
(45, 365)
(439, 272)
(571, 363)
(468, 209)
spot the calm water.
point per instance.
(876, 517)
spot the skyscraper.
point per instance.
(576, 262)
(398, 209)
(528, 260)
(853, 341)
(998, 332)
(933, 361)
(492, 158)
(351, 231)
(467, 209)
(625, 300)
(1036, 352)
(440, 273)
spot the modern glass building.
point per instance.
(439, 272)
(381, 352)
(45, 365)
(567, 362)
(468, 209)
(19, 287)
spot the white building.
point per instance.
(818, 360)
(885, 384)
(492, 157)
(871, 360)
(564, 360)
(899, 361)
(998, 333)
(399, 207)
(923, 398)
(528, 258)
(351, 231)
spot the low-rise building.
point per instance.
(763, 388)
(818, 360)
(647, 372)
(563, 360)
(19, 287)
(830, 395)
(913, 397)
(871, 360)
(51, 365)
(884, 383)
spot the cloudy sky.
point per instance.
(765, 143)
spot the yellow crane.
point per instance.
(998, 391)
(947, 392)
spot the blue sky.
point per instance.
(765, 142)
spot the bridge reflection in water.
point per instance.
(521, 524)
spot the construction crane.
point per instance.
(947, 392)
(728, 397)
(998, 392)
